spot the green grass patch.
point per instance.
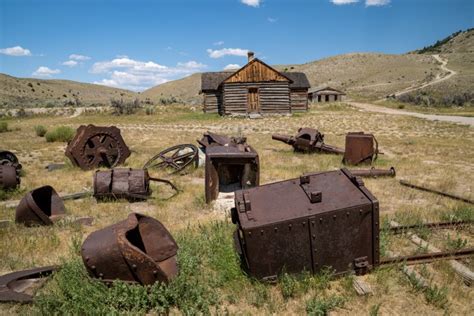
(322, 306)
(4, 127)
(60, 134)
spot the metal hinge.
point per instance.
(361, 265)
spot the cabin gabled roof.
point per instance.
(260, 66)
(329, 89)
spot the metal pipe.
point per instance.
(449, 195)
(332, 149)
(440, 225)
(372, 172)
(429, 257)
(283, 138)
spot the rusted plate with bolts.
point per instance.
(14, 285)
(40, 207)
(9, 178)
(124, 183)
(175, 158)
(308, 140)
(303, 224)
(229, 167)
(139, 249)
(97, 146)
(374, 173)
(360, 148)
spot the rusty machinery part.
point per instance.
(10, 159)
(230, 168)
(308, 140)
(360, 148)
(9, 178)
(177, 157)
(210, 139)
(448, 195)
(40, 207)
(429, 257)
(14, 285)
(125, 183)
(374, 173)
(139, 249)
(439, 225)
(97, 146)
(304, 225)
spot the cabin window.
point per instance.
(319, 98)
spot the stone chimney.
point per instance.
(250, 55)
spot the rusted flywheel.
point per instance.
(97, 146)
(10, 159)
(177, 157)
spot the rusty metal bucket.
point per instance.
(9, 178)
(124, 183)
(360, 148)
(40, 207)
(138, 250)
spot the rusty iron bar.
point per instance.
(374, 173)
(448, 195)
(429, 257)
(439, 225)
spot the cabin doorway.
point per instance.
(253, 102)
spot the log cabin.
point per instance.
(326, 94)
(254, 88)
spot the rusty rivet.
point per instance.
(314, 236)
(275, 229)
(315, 250)
(101, 275)
(347, 214)
(261, 232)
(360, 212)
(250, 233)
(334, 216)
(376, 224)
(87, 258)
(304, 223)
(93, 267)
(289, 226)
(155, 272)
(320, 219)
(134, 266)
(312, 223)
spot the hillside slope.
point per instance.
(185, 89)
(29, 92)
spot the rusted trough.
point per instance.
(231, 164)
(360, 148)
(308, 140)
(97, 146)
(137, 250)
(303, 224)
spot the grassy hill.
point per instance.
(186, 90)
(29, 92)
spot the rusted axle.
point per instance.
(440, 225)
(374, 173)
(308, 140)
(449, 195)
(429, 257)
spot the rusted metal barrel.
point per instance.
(138, 250)
(374, 173)
(283, 138)
(39, 207)
(9, 178)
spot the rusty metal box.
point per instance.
(360, 148)
(322, 219)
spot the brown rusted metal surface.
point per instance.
(14, 285)
(124, 183)
(139, 249)
(360, 148)
(97, 146)
(10, 159)
(430, 257)
(308, 140)
(304, 225)
(374, 173)
(231, 164)
(439, 225)
(9, 178)
(176, 158)
(40, 207)
(445, 194)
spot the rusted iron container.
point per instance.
(308, 140)
(122, 183)
(326, 219)
(97, 146)
(40, 207)
(230, 168)
(138, 250)
(9, 178)
(361, 148)
(210, 139)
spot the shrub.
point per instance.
(121, 107)
(322, 306)
(3, 127)
(150, 110)
(60, 134)
(40, 130)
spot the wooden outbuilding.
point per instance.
(326, 94)
(254, 88)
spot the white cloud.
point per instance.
(70, 63)
(78, 57)
(45, 72)
(342, 2)
(252, 3)
(15, 51)
(218, 43)
(377, 3)
(271, 20)
(139, 75)
(218, 53)
(232, 67)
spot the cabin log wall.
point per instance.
(212, 101)
(299, 100)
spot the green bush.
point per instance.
(322, 306)
(40, 130)
(3, 127)
(60, 134)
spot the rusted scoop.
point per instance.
(138, 250)
(40, 207)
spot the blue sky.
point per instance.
(136, 44)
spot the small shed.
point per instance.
(254, 88)
(326, 94)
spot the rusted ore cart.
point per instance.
(317, 220)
